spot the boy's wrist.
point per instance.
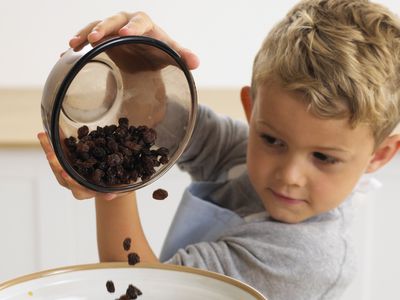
(127, 196)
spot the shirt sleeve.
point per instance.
(217, 144)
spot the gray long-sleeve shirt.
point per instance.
(309, 260)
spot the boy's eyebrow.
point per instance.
(334, 149)
(268, 125)
(326, 148)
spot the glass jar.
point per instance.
(134, 82)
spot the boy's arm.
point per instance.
(218, 143)
(116, 220)
(117, 216)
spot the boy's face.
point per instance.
(301, 165)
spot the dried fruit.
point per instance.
(160, 194)
(123, 153)
(133, 258)
(83, 131)
(127, 244)
(110, 286)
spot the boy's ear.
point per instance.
(384, 153)
(247, 101)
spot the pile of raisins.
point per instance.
(113, 155)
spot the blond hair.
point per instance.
(343, 55)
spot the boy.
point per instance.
(271, 204)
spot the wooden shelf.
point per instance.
(20, 116)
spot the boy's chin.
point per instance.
(287, 217)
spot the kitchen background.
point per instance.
(42, 226)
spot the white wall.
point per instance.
(225, 34)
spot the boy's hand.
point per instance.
(63, 178)
(125, 24)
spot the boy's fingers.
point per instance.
(44, 142)
(62, 177)
(56, 168)
(123, 24)
(191, 59)
(78, 191)
(52, 159)
(139, 24)
(109, 26)
(82, 194)
(80, 39)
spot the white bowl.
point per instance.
(156, 281)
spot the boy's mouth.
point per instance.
(286, 199)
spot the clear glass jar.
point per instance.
(133, 77)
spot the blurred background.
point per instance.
(42, 226)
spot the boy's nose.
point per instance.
(291, 172)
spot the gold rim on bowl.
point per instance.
(241, 285)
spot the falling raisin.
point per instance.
(160, 194)
(110, 286)
(133, 258)
(127, 244)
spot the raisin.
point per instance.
(100, 141)
(84, 155)
(83, 131)
(163, 160)
(138, 292)
(133, 258)
(98, 176)
(123, 122)
(131, 292)
(70, 142)
(114, 160)
(110, 286)
(99, 152)
(162, 151)
(160, 194)
(134, 147)
(127, 244)
(149, 136)
(121, 132)
(82, 147)
(112, 145)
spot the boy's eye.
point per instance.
(326, 159)
(271, 141)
